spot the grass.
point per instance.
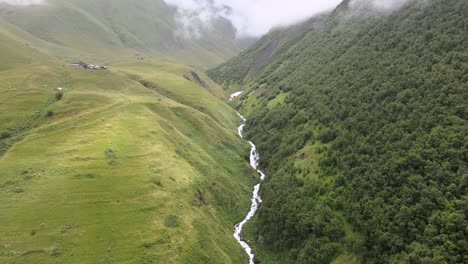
(114, 174)
(26, 96)
(88, 30)
(277, 101)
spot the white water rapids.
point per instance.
(256, 200)
(234, 95)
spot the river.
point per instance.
(234, 95)
(256, 199)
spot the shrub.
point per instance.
(327, 136)
(5, 134)
(58, 96)
(55, 252)
(172, 221)
(110, 153)
(50, 113)
(157, 182)
(146, 84)
(18, 190)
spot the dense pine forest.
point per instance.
(361, 119)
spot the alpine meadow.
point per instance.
(222, 131)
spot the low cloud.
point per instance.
(195, 16)
(389, 5)
(22, 2)
(382, 5)
(250, 17)
(257, 17)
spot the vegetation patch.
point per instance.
(33, 252)
(9, 138)
(58, 96)
(157, 182)
(85, 176)
(172, 221)
(199, 199)
(110, 153)
(55, 252)
(151, 243)
(18, 190)
(5, 134)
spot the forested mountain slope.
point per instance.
(361, 119)
(107, 27)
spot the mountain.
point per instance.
(136, 163)
(108, 27)
(360, 117)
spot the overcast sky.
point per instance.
(253, 17)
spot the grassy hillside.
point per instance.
(361, 120)
(106, 28)
(16, 47)
(137, 164)
(140, 163)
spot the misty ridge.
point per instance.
(249, 18)
(256, 18)
(195, 18)
(382, 6)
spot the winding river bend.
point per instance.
(256, 199)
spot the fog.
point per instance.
(22, 2)
(382, 5)
(257, 17)
(250, 17)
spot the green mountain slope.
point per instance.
(140, 163)
(137, 164)
(105, 28)
(251, 62)
(16, 49)
(361, 120)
